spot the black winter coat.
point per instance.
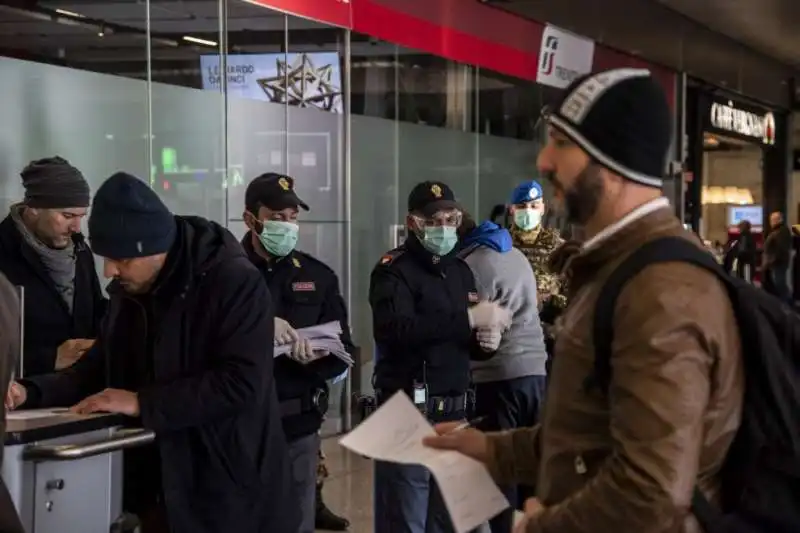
(48, 322)
(206, 389)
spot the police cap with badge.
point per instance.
(430, 197)
(273, 191)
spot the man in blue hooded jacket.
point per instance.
(509, 386)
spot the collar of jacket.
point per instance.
(618, 245)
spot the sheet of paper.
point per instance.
(33, 414)
(518, 517)
(323, 338)
(394, 433)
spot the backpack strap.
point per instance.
(662, 250)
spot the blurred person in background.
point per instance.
(510, 385)
(9, 353)
(741, 257)
(777, 258)
(42, 249)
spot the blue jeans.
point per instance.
(406, 498)
(510, 404)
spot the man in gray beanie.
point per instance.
(623, 450)
(186, 351)
(42, 250)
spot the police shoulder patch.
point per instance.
(390, 257)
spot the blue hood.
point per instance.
(491, 235)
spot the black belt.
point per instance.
(444, 405)
(316, 402)
(440, 405)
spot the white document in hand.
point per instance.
(394, 434)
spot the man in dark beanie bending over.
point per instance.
(42, 250)
(186, 350)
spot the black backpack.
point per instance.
(761, 473)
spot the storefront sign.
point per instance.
(563, 57)
(730, 117)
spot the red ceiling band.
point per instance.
(466, 31)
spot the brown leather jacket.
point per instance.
(9, 348)
(629, 463)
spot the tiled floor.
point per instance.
(348, 490)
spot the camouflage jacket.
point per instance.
(537, 245)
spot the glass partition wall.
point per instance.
(199, 97)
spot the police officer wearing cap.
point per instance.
(425, 310)
(306, 293)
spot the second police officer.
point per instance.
(305, 292)
(425, 309)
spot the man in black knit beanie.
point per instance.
(185, 351)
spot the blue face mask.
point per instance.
(439, 240)
(278, 237)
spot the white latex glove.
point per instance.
(489, 338)
(301, 351)
(284, 332)
(489, 315)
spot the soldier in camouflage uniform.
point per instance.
(538, 243)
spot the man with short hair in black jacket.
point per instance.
(186, 351)
(777, 258)
(42, 250)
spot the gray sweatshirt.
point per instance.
(507, 278)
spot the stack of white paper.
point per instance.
(394, 434)
(323, 338)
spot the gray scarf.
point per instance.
(59, 264)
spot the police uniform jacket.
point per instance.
(419, 313)
(306, 293)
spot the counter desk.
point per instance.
(64, 471)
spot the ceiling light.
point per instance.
(69, 13)
(199, 41)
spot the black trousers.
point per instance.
(776, 282)
(510, 404)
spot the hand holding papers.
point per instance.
(323, 338)
(394, 433)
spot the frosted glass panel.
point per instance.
(96, 121)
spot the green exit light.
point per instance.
(169, 160)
